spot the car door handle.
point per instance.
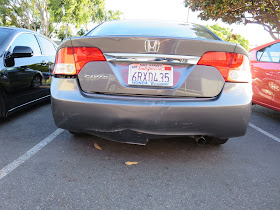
(44, 63)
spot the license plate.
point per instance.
(150, 74)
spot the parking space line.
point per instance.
(264, 132)
(16, 163)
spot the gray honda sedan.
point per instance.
(131, 81)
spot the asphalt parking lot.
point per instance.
(42, 167)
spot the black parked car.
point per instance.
(26, 62)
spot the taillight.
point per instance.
(233, 67)
(70, 60)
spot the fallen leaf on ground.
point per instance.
(97, 146)
(130, 163)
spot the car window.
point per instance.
(269, 54)
(28, 40)
(48, 47)
(4, 33)
(150, 28)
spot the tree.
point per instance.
(61, 32)
(30, 14)
(80, 12)
(47, 15)
(74, 12)
(227, 35)
(100, 14)
(81, 32)
(263, 12)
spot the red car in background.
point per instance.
(265, 68)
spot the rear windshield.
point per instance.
(4, 33)
(152, 29)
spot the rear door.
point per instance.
(275, 84)
(276, 97)
(49, 51)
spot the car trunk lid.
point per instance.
(172, 63)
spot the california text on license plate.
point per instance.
(150, 74)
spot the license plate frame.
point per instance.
(155, 75)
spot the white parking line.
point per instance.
(16, 163)
(264, 132)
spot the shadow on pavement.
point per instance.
(176, 150)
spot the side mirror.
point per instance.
(22, 51)
(18, 52)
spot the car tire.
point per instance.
(36, 82)
(215, 141)
(3, 105)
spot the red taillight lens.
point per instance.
(233, 67)
(70, 60)
(65, 63)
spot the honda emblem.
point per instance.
(152, 45)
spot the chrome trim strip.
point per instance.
(152, 58)
(147, 97)
(30, 102)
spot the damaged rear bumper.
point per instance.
(224, 116)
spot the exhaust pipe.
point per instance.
(200, 140)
